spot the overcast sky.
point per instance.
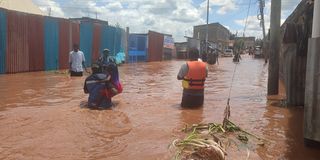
(176, 17)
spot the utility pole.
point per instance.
(312, 90)
(273, 78)
(262, 5)
(96, 15)
(49, 11)
(261, 18)
(207, 27)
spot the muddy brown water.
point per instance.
(42, 114)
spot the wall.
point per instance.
(35, 43)
(86, 35)
(138, 48)
(216, 32)
(17, 56)
(51, 34)
(3, 40)
(65, 43)
(293, 57)
(96, 42)
(155, 46)
(107, 39)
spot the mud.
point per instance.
(42, 114)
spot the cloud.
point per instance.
(50, 7)
(224, 6)
(253, 24)
(175, 17)
(166, 16)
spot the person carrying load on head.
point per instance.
(193, 75)
(99, 88)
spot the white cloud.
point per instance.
(224, 6)
(175, 17)
(253, 24)
(50, 7)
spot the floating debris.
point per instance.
(209, 141)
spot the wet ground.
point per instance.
(42, 114)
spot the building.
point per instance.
(138, 47)
(150, 47)
(26, 6)
(181, 49)
(217, 34)
(168, 47)
(249, 42)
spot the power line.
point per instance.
(245, 25)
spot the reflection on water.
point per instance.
(41, 114)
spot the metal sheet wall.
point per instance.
(117, 40)
(96, 42)
(86, 35)
(51, 34)
(36, 42)
(75, 27)
(65, 41)
(17, 56)
(3, 40)
(107, 38)
(155, 46)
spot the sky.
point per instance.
(175, 17)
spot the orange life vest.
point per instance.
(196, 75)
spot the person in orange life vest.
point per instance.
(193, 75)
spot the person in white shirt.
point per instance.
(76, 61)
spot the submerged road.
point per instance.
(42, 114)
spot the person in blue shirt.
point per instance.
(98, 86)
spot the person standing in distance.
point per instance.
(76, 61)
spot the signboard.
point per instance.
(168, 42)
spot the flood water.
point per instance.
(42, 114)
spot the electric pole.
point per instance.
(273, 78)
(261, 18)
(49, 11)
(207, 27)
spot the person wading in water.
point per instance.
(193, 75)
(76, 61)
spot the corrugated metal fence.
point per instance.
(107, 38)
(65, 43)
(34, 43)
(86, 36)
(3, 40)
(17, 57)
(155, 46)
(96, 42)
(138, 48)
(51, 34)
